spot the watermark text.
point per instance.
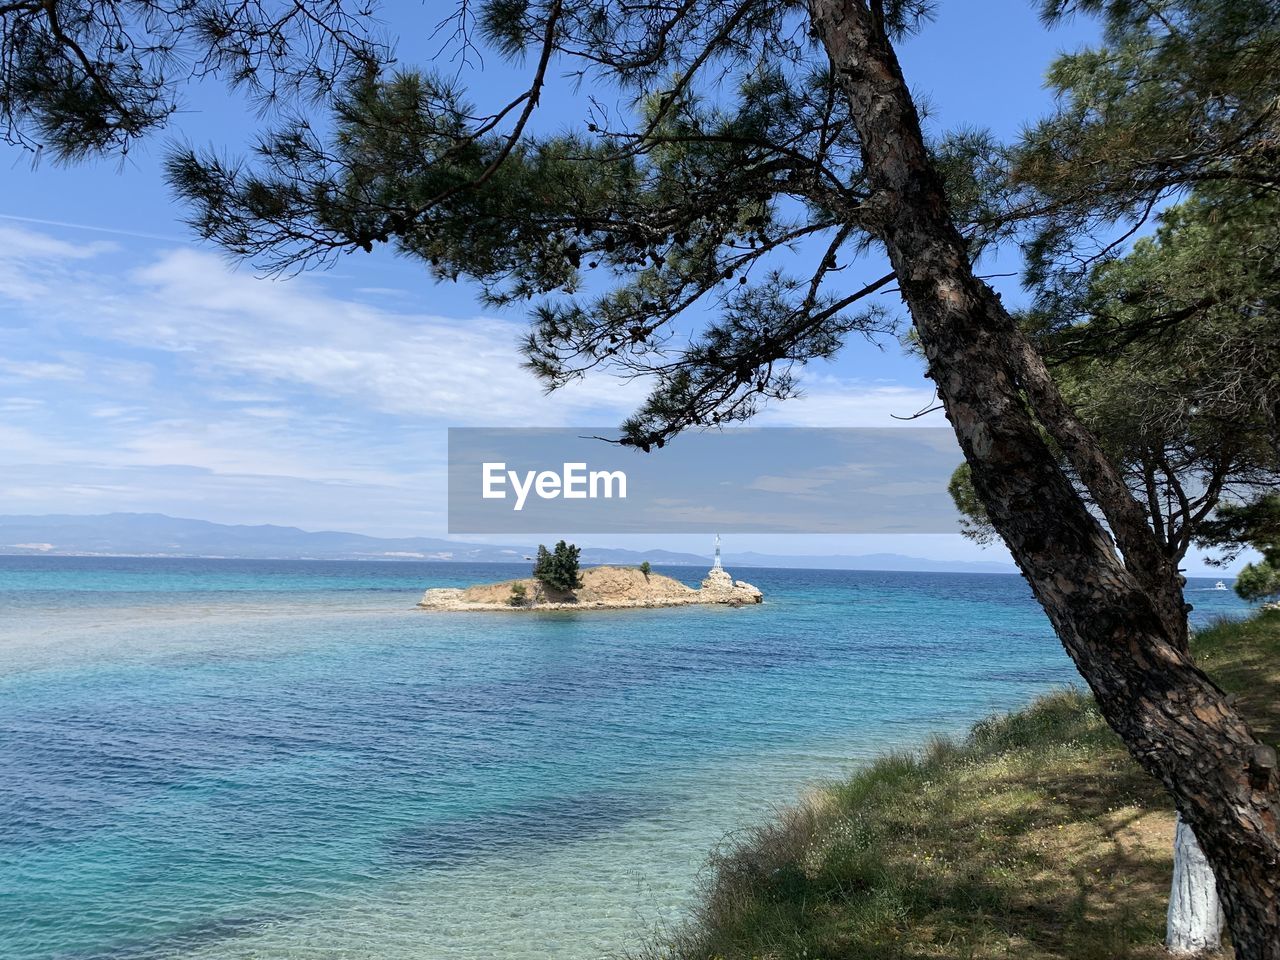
(573, 482)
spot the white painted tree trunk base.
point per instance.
(1195, 918)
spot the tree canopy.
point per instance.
(725, 179)
(1170, 351)
(558, 569)
(1254, 524)
(1171, 356)
(737, 150)
(1180, 95)
(92, 78)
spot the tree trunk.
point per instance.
(1144, 557)
(1172, 718)
(1195, 917)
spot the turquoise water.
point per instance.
(235, 759)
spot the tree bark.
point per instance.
(1195, 919)
(1172, 718)
(1144, 557)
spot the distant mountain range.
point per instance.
(871, 561)
(157, 535)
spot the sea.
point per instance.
(279, 760)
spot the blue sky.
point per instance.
(141, 371)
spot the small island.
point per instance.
(595, 588)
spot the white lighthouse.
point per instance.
(721, 586)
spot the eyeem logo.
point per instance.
(573, 482)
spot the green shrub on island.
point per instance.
(645, 568)
(519, 595)
(558, 569)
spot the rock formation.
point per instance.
(603, 588)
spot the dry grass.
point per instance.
(1035, 837)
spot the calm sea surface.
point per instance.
(269, 759)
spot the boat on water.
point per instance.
(1219, 585)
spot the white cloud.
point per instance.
(402, 510)
(19, 243)
(115, 412)
(19, 405)
(829, 401)
(186, 386)
(268, 335)
(32, 262)
(811, 481)
(291, 334)
(37, 370)
(23, 445)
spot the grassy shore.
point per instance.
(1034, 837)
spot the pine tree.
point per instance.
(558, 569)
(770, 145)
(1170, 355)
(83, 79)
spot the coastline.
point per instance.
(1035, 834)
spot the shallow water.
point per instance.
(235, 759)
